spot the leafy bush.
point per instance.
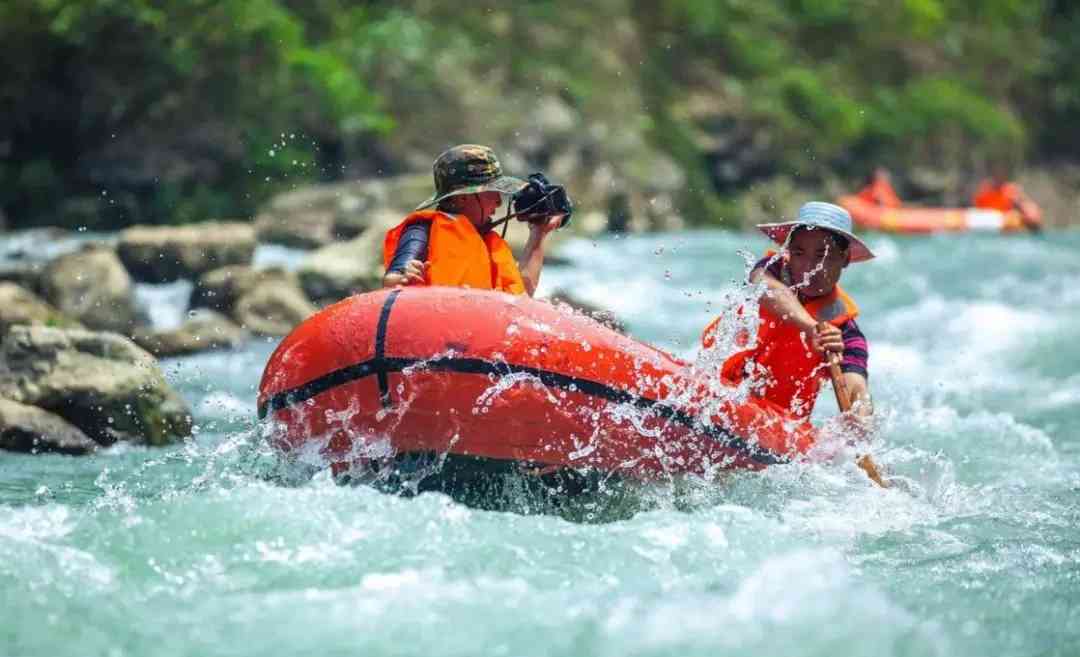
(176, 110)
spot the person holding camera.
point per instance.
(455, 243)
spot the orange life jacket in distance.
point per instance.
(880, 192)
(458, 255)
(1005, 198)
(787, 365)
(1001, 197)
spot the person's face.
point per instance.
(815, 262)
(479, 207)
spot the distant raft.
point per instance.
(929, 220)
(497, 377)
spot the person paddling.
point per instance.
(878, 189)
(805, 316)
(453, 244)
(998, 193)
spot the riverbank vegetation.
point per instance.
(132, 111)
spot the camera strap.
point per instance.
(491, 225)
(524, 211)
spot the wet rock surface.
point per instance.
(264, 301)
(162, 254)
(205, 331)
(23, 274)
(30, 429)
(339, 270)
(318, 215)
(272, 310)
(220, 289)
(102, 383)
(20, 306)
(91, 286)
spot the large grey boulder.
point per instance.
(205, 331)
(161, 254)
(30, 429)
(91, 286)
(317, 215)
(264, 301)
(25, 274)
(102, 383)
(20, 306)
(272, 310)
(221, 288)
(374, 206)
(342, 269)
(300, 228)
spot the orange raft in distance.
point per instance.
(928, 220)
(503, 378)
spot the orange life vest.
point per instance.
(880, 192)
(1005, 198)
(459, 256)
(1001, 197)
(789, 367)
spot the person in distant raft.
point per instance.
(998, 193)
(449, 239)
(879, 190)
(804, 313)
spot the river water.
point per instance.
(975, 369)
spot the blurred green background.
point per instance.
(135, 111)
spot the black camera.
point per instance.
(540, 199)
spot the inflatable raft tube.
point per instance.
(929, 220)
(494, 377)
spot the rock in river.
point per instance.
(204, 331)
(100, 382)
(26, 428)
(161, 254)
(91, 286)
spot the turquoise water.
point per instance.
(195, 550)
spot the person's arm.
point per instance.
(407, 266)
(532, 258)
(783, 303)
(859, 388)
(1030, 212)
(854, 366)
(411, 274)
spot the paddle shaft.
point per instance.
(843, 400)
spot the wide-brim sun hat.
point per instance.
(825, 216)
(469, 169)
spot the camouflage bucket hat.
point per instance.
(469, 169)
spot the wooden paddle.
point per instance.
(843, 400)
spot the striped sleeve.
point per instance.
(856, 349)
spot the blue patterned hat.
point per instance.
(825, 216)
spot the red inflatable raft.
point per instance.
(489, 375)
(928, 220)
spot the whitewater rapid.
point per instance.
(195, 550)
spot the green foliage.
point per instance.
(183, 109)
(803, 104)
(842, 85)
(178, 95)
